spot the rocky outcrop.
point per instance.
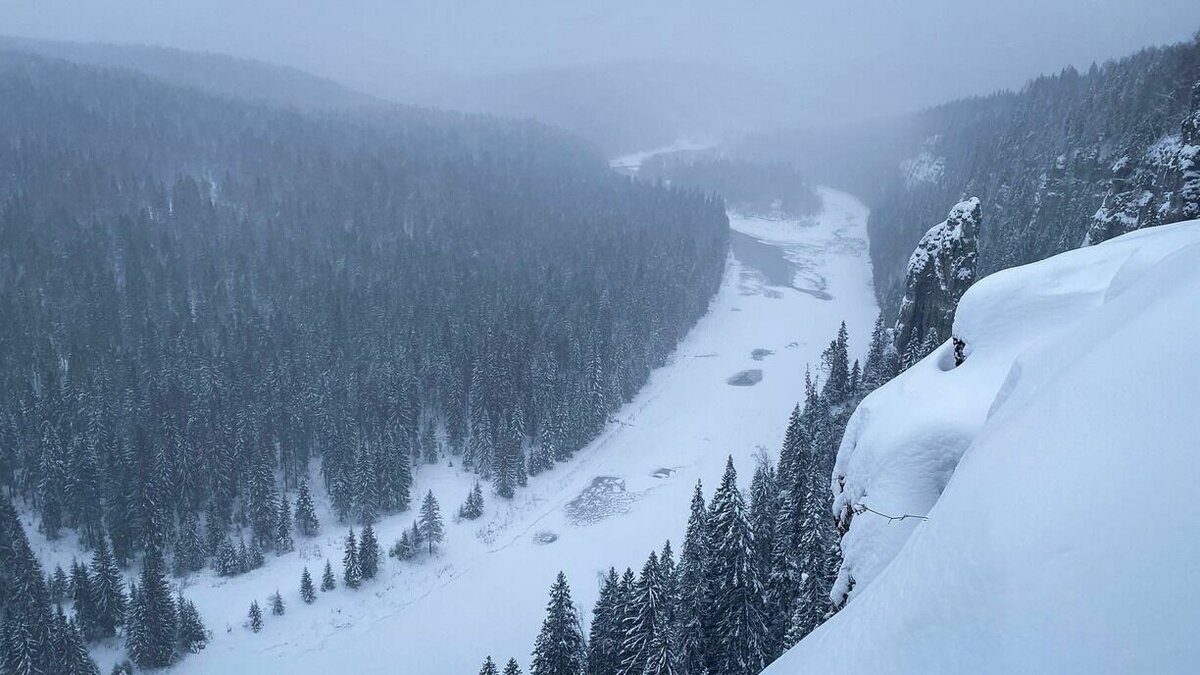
(940, 270)
(1155, 187)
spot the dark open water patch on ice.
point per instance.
(746, 378)
(768, 260)
(775, 268)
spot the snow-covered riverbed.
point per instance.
(620, 497)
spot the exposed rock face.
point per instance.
(940, 270)
(1156, 187)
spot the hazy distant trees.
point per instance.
(774, 188)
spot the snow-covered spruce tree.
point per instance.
(307, 592)
(504, 462)
(228, 562)
(512, 668)
(881, 364)
(836, 362)
(432, 528)
(606, 634)
(254, 556)
(367, 494)
(283, 527)
(192, 636)
(473, 507)
(151, 636)
(108, 591)
(56, 585)
(693, 646)
(254, 619)
(765, 504)
(68, 653)
(624, 615)
(83, 597)
(559, 648)
(306, 512)
(262, 502)
(489, 667)
(368, 552)
(738, 613)
(403, 549)
(351, 565)
(649, 644)
(328, 582)
(819, 561)
(666, 641)
(189, 547)
(277, 607)
(429, 444)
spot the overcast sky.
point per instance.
(909, 53)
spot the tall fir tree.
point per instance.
(189, 546)
(328, 581)
(192, 636)
(649, 646)
(307, 593)
(606, 633)
(151, 635)
(254, 618)
(83, 595)
(512, 668)
(559, 648)
(740, 637)
(283, 527)
(108, 590)
(432, 528)
(368, 553)
(489, 667)
(351, 566)
(306, 512)
(693, 645)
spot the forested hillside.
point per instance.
(202, 296)
(1042, 160)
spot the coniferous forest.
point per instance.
(203, 296)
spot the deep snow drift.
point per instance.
(1058, 469)
(622, 496)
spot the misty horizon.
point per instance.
(804, 65)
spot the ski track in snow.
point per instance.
(484, 592)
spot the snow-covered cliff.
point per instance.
(1058, 468)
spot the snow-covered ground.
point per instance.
(1058, 468)
(625, 494)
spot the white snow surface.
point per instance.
(1057, 467)
(624, 495)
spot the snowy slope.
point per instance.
(1058, 469)
(626, 493)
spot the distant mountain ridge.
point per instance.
(219, 74)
